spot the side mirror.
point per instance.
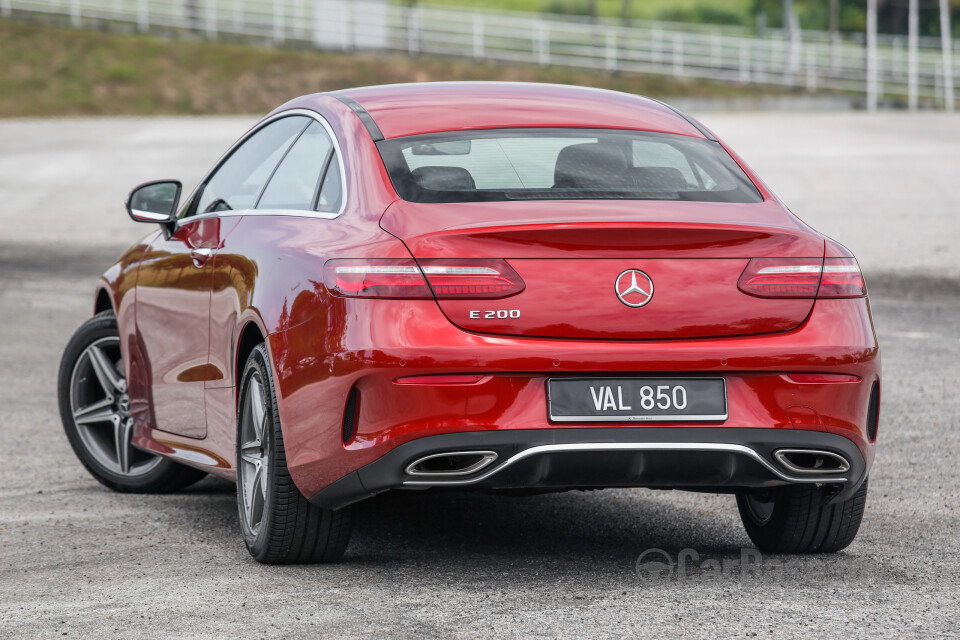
(155, 201)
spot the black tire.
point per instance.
(290, 530)
(797, 519)
(161, 475)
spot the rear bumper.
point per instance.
(327, 443)
(707, 459)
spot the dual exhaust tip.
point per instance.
(452, 464)
(811, 461)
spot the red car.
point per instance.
(504, 287)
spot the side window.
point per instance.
(239, 180)
(331, 193)
(294, 184)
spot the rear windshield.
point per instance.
(563, 164)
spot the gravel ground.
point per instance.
(80, 561)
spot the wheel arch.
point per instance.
(103, 301)
(249, 337)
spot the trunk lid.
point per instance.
(574, 258)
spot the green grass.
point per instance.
(717, 11)
(56, 71)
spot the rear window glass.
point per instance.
(562, 164)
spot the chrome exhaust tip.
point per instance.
(811, 461)
(451, 464)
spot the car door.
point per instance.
(308, 183)
(175, 278)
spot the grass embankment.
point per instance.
(56, 71)
(738, 12)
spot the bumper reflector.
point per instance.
(442, 379)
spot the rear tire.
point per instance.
(796, 519)
(95, 411)
(279, 525)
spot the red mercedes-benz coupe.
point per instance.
(479, 286)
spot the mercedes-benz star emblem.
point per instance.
(634, 288)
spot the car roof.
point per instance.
(426, 107)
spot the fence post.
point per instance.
(872, 75)
(277, 24)
(210, 21)
(237, 16)
(793, 63)
(611, 50)
(744, 61)
(947, 46)
(541, 41)
(75, 18)
(760, 65)
(413, 31)
(896, 57)
(835, 52)
(716, 48)
(348, 26)
(937, 81)
(5, 9)
(656, 44)
(811, 70)
(143, 16)
(477, 36)
(677, 54)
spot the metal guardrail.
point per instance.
(809, 59)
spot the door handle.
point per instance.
(201, 255)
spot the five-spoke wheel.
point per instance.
(98, 419)
(101, 409)
(252, 479)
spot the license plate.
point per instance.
(637, 399)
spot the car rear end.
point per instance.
(524, 362)
(590, 307)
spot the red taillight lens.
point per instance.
(841, 279)
(471, 279)
(802, 278)
(781, 277)
(448, 279)
(375, 279)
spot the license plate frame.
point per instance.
(706, 409)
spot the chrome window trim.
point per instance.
(322, 215)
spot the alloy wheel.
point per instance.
(101, 410)
(254, 455)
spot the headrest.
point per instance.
(590, 165)
(658, 179)
(444, 178)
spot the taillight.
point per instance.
(471, 279)
(443, 278)
(781, 278)
(375, 279)
(841, 279)
(802, 278)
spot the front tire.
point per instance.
(797, 518)
(95, 411)
(279, 525)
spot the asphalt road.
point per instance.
(79, 561)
